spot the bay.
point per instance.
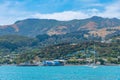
(59, 73)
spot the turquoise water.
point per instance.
(60, 73)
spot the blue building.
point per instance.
(53, 63)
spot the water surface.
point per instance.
(60, 73)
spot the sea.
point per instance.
(59, 73)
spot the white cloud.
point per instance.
(88, 1)
(96, 4)
(111, 11)
(9, 12)
(63, 16)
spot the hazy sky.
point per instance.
(13, 10)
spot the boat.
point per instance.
(93, 65)
(27, 64)
(94, 61)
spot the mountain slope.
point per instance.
(31, 27)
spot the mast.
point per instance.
(94, 53)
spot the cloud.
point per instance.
(11, 11)
(112, 10)
(88, 1)
(62, 16)
(97, 5)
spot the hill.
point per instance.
(97, 26)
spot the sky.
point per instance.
(63, 10)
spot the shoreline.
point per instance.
(96, 65)
(63, 65)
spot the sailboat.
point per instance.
(94, 59)
(93, 65)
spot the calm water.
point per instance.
(60, 73)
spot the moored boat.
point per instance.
(28, 64)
